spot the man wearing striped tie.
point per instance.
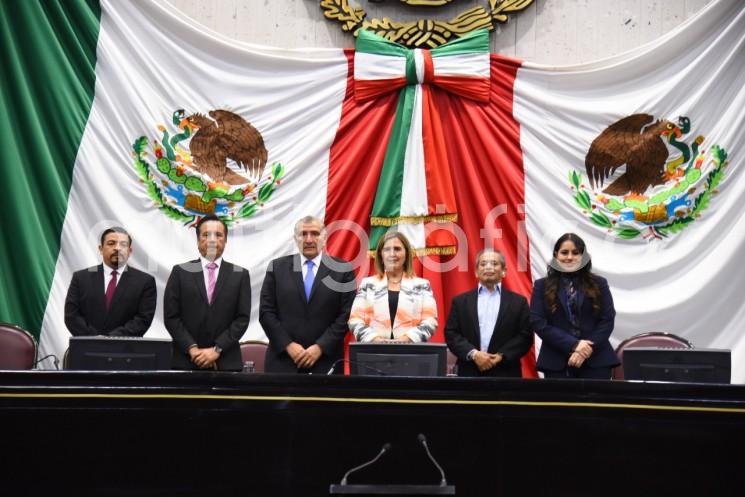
(112, 298)
(207, 304)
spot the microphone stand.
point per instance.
(396, 489)
(386, 448)
(359, 364)
(423, 440)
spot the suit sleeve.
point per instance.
(520, 343)
(172, 312)
(140, 322)
(454, 336)
(540, 322)
(361, 315)
(233, 333)
(74, 320)
(607, 316)
(279, 339)
(428, 322)
(334, 335)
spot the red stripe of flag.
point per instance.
(486, 168)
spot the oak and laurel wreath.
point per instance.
(583, 200)
(352, 20)
(155, 193)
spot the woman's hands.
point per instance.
(581, 353)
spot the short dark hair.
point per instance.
(211, 217)
(115, 229)
(488, 250)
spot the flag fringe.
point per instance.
(448, 250)
(392, 221)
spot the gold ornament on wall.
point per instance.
(424, 33)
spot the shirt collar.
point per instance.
(108, 269)
(204, 262)
(486, 290)
(316, 260)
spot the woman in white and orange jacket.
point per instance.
(394, 305)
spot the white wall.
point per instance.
(556, 32)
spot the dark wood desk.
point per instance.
(225, 434)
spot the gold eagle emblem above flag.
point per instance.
(423, 33)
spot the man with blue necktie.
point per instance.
(305, 303)
(488, 328)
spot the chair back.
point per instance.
(650, 339)
(17, 347)
(254, 350)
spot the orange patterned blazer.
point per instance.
(416, 315)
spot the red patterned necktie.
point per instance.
(110, 289)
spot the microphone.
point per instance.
(359, 365)
(386, 448)
(56, 361)
(333, 366)
(423, 440)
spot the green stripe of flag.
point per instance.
(368, 42)
(48, 51)
(390, 185)
(473, 42)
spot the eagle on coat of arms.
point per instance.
(199, 165)
(658, 182)
(638, 142)
(221, 136)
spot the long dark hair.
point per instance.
(584, 274)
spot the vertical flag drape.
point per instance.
(161, 83)
(667, 226)
(48, 52)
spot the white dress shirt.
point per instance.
(205, 271)
(107, 275)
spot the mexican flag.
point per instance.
(109, 107)
(129, 114)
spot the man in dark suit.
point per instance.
(305, 304)
(488, 328)
(112, 298)
(207, 304)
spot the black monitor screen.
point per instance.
(681, 365)
(405, 359)
(119, 354)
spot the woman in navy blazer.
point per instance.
(572, 311)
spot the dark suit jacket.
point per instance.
(132, 307)
(512, 336)
(558, 343)
(190, 319)
(286, 316)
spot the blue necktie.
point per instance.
(309, 277)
